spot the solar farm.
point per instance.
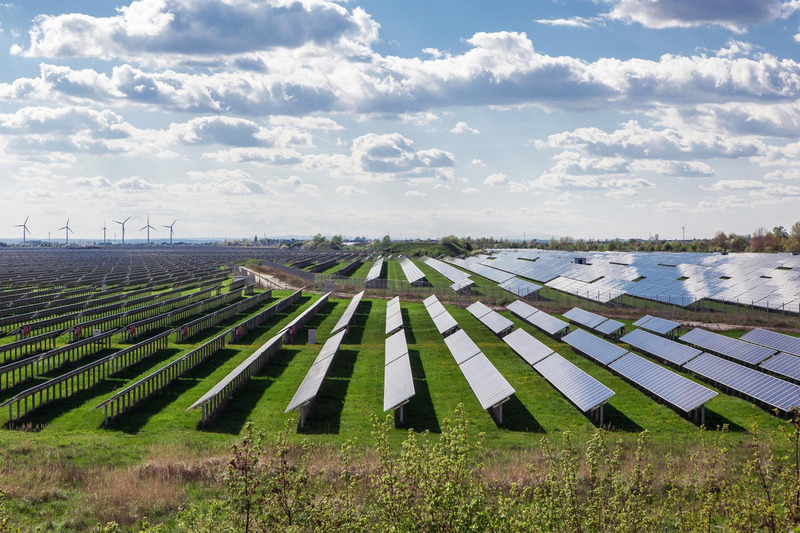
(186, 346)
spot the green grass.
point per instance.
(353, 392)
(362, 271)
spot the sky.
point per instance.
(591, 119)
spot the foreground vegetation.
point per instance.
(447, 485)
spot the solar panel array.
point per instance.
(600, 350)
(726, 346)
(579, 387)
(527, 346)
(671, 387)
(611, 327)
(394, 315)
(763, 388)
(443, 320)
(658, 325)
(493, 320)
(783, 364)
(504, 280)
(374, 272)
(412, 272)
(347, 316)
(309, 388)
(664, 349)
(459, 278)
(584, 318)
(398, 383)
(769, 281)
(489, 386)
(774, 340)
(551, 325)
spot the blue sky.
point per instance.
(593, 119)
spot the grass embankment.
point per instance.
(61, 473)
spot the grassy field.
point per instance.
(71, 432)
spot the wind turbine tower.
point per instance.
(67, 231)
(25, 229)
(148, 227)
(123, 228)
(104, 232)
(684, 231)
(170, 229)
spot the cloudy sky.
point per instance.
(594, 119)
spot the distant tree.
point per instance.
(719, 242)
(758, 240)
(794, 238)
(780, 233)
(337, 243)
(386, 240)
(737, 243)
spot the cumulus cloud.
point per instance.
(394, 153)
(497, 179)
(414, 194)
(728, 185)
(462, 127)
(197, 28)
(735, 15)
(573, 22)
(724, 203)
(477, 163)
(350, 190)
(470, 190)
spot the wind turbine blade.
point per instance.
(26, 220)
(127, 219)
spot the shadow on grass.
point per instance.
(133, 420)
(715, 420)
(358, 323)
(47, 413)
(419, 412)
(326, 413)
(314, 323)
(237, 411)
(410, 338)
(516, 417)
(616, 420)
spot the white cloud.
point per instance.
(307, 189)
(477, 163)
(393, 153)
(218, 174)
(470, 190)
(497, 179)
(462, 127)
(350, 190)
(573, 22)
(667, 206)
(732, 185)
(721, 204)
(197, 28)
(414, 194)
(735, 15)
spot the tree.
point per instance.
(758, 240)
(780, 233)
(794, 245)
(720, 242)
(337, 243)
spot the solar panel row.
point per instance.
(493, 320)
(726, 346)
(555, 327)
(774, 340)
(444, 321)
(347, 316)
(659, 347)
(658, 325)
(394, 315)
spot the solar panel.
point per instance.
(374, 272)
(660, 347)
(444, 322)
(479, 309)
(726, 346)
(394, 322)
(347, 316)
(642, 321)
(549, 324)
(308, 389)
(784, 364)
(660, 325)
(762, 387)
(774, 340)
(488, 384)
(395, 346)
(412, 271)
(598, 349)
(436, 309)
(671, 387)
(491, 319)
(461, 346)
(520, 287)
(579, 387)
(527, 346)
(398, 383)
(430, 300)
(584, 318)
(521, 309)
(610, 327)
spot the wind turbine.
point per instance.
(148, 227)
(684, 231)
(104, 232)
(123, 228)
(66, 232)
(170, 229)
(25, 229)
